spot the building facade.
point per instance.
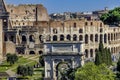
(28, 29)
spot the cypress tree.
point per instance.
(98, 59)
(118, 65)
(103, 55)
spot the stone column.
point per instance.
(54, 71)
(1, 39)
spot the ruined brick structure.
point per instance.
(30, 26)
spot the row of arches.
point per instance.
(88, 38)
(55, 31)
(68, 37)
(89, 53)
(31, 39)
(22, 51)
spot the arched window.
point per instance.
(31, 38)
(111, 36)
(55, 38)
(40, 52)
(86, 53)
(86, 23)
(31, 52)
(68, 37)
(91, 37)
(86, 39)
(96, 37)
(74, 37)
(24, 40)
(75, 25)
(80, 38)
(80, 30)
(91, 23)
(100, 24)
(41, 38)
(108, 37)
(105, 38)
(91, 52)
(61, 37)
(101, 38)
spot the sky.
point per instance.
(59, 6)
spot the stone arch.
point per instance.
(111, 36)
(80, 30)
(91, 23)
(55, 38)
(40, 52)
(68, 37)
(105, 38)
(74, 25)
(41, 38)
(86, 23)
(80, 38)
(114, 36)
(86, 39)
(108, 37)
(24, 39)
(91, 37)
(74, 37)
(31, 38)
(61, 37)
(96, 37)
(60, 67)
(31, 52)
(101, 38)
(101, 24)
(86, 53)
(91, 52)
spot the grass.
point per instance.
(5, 66)
(23, 61)
(36, 76)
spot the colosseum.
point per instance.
(25, 28)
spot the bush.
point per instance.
(12, 58)
(25, 70)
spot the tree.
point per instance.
(118, 69)
(118, 65)
(25, 70)
(103, 55)
(112, 17)
(12, 58)
(41, 60)
(92, 72)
